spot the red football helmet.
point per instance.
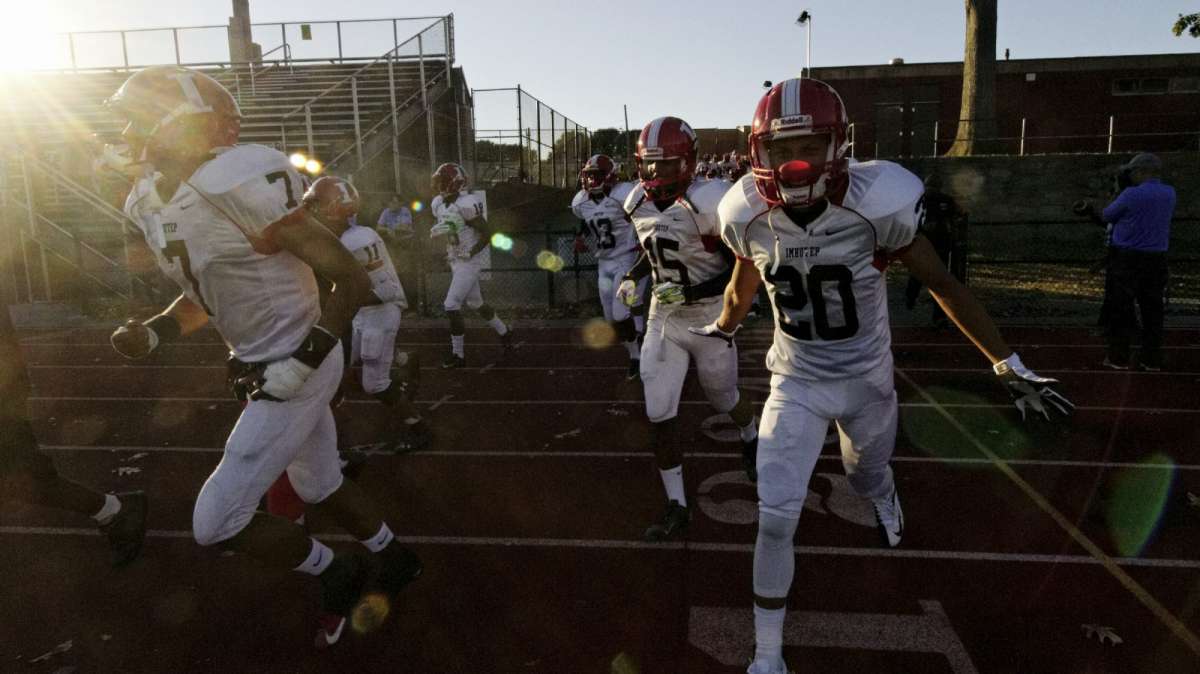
(599, 174)
(449, 179)
(798, 143)
(175, 114)
(332, 199)
(666, 158)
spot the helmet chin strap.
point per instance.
(800, 183)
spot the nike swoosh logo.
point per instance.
(184, 207)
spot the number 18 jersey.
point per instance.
(826, 280)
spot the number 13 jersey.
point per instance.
(826, 281)
(606, 220)
(215, 238)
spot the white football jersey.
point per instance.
(682, 242)
(462, 238)
(827, 280)
(368, 248)
(215, 239)
(607, 221)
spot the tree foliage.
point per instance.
(1189, 23)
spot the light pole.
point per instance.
(806, 21)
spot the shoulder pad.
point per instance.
(580, 197)
(741, 203)
(436, 202)
(142, 195)
(880, 188)
(706, 195)
(621, 191)
(359, 236)
(237, 165)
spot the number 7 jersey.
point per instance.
(215, 238)
(826, 281)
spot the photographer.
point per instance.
(1085, 207)
(1137, 269)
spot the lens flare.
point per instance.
(598, 334)
(313, 166)
(372, 611)
(1137, 501)
(502, 241)
(999, 429)
(298, 160)
(550, 262)
(417, 206)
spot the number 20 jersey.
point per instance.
(215, 238)
(607, 221)
(826, 280)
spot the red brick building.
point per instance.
(1065, 104)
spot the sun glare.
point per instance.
(28, 39)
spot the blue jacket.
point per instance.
(1141, 217)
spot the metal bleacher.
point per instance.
(57, 211)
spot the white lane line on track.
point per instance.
(1109, 563)
(744, 343)
(622, 368)
(231, 401)
(607, 544)
(1049, 463)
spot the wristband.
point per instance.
(316, 345)
(165, 328)
(1012, 363)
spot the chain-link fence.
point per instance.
(519, 138)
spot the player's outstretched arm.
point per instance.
(739, 298)
(317, 247)
(135, 339)
(1027, 388)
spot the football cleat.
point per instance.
(635, 369)
(411, 437)
(763, 667)
(352, 461)
(506, 340)
(401, 566)
(127, 529)
(453, 362)
(1113, 365)
(674, 520)
(889, 518)
(750, 459)
(342, 587)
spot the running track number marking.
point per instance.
(840, 501)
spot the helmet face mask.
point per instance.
(599, 174)
(798, 143)
(174, 115)
(333, 201)
(666, 158)
(448, 180)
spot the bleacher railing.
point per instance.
(543, 147)
(337, 41)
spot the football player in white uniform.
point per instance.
(820, 232)
(334, 202)
(676, 224)
(600, 207)
(462, 221)
(225, 222)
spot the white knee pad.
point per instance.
(774, 556)
(211, 524)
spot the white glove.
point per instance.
(280, 380)
(668, 292)
(1030, 390)
(711, 330)
(440, 229)
(627, 292)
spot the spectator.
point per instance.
(1137, 271)
(396, 221)
(943, 227)
(395, 226)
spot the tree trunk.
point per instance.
(977, 117)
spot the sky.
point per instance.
(704, 61)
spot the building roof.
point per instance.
(1014, 66)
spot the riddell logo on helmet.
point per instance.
(803, 121)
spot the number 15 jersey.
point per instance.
(826, 280)
(682, 241)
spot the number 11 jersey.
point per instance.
(826, 280)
